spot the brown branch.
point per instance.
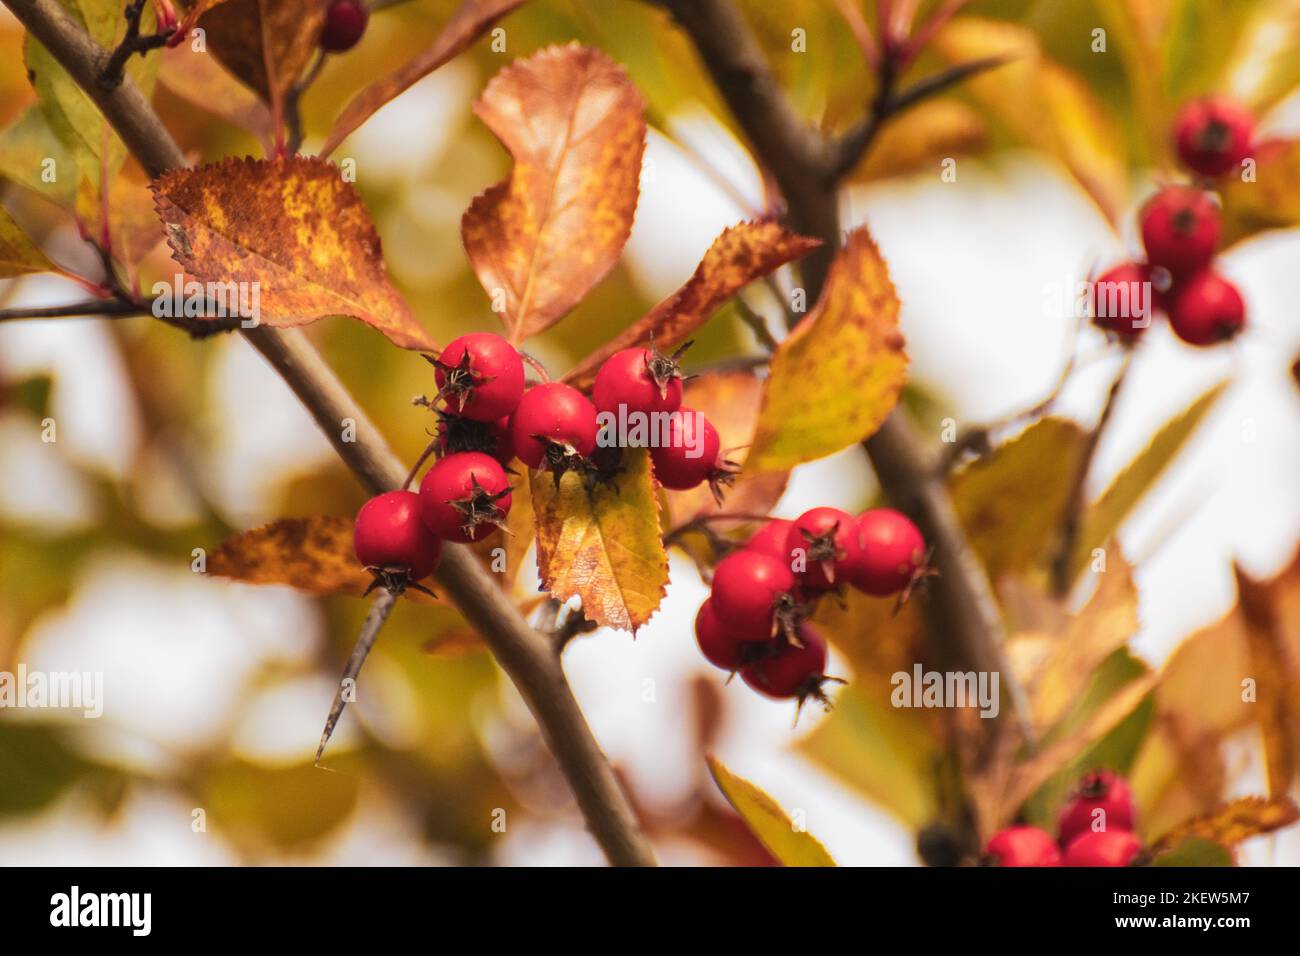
(380, 608)
(91, 307)
(132, 43)
(965, 624)
(523, 654)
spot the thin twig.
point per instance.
(132, 43)
(90, 308)
(380, 608)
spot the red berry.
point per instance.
(1023, 846)
(639, 380)
(1123, 300)
(555, 417)
(1180, 229)
(1106, 848)
(719, 647)
(1213, 134)
(791, 671)
(1103, 801)
(481, 376)
(770, 539)
(345, 22)
(389, 534)
(892, 552)
(464, 496)
(691, 456)
(829, 540)
(747, 587)
(1207, 309)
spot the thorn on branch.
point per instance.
(132, 43)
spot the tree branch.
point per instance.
(965, 625)
(523, 654)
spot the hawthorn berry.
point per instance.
(1180, 229)
(719, 646)
(464, 496)
(1207, 309)
(831, 544)
(753, 594)
(790, 671)
(1103, 848)
(770, 539)
(481, 376)
(345, 23)
(1022, 846)
(553, 421)
(893, 552)
(639, 380)
(1123, 300)
(693, 454)
(390, 537)
(1102, 798)
(1213, 134)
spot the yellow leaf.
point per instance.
(1271, 201)
(921, 137)
(839, 373)
(741, 254)
(603, 544)
(791, 846)
(1277, 683)
(573, 122)
(290, 231)
(471, 19)
(1234, 822)
(18, 254)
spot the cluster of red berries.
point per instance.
(1181, 227)
(1095, 828)
(345, 23)
(755, 619)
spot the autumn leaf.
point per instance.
(470, 21)
(197, 78)
(18, 254)
(602, 544)
(291, 229)
(921, 137)
(1195, 851)
(741, 254)
(133, 224)
(791, 846)
(729, 400)
(1270, 201)
(1277, 683)
(837, 376)
(28, 149)
(1233, 822)
(265, 44)
(572, 121)
(311, 554)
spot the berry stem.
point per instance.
(380, 608)
(419, 462)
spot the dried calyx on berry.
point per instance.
(465, 496)
(480, 376)
(553, 425)
(393, 544)
(792, 670)
(639, 380)
(692, 455)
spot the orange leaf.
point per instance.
(266, 44)
(466, 25)
(198, 79)
(293, 231)
(539, 242)
(312, 554)
(1277, 690)
(741, 254)
(1234, 822)
(839, 373)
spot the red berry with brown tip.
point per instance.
(691, 456)
(747, 588)
(1102, 801)
(1123, 300)
(389, 535)
(893, 552)
(1104, 848)
(465, 496)
(770, 539)
(552, 419)
(719, 646)
(637, 380)
(1207, 309)
(480, 376)
(1213, 134)
(830, 543)
(345, 24)
(791, 671)
(1023, 846)
(1180, 229)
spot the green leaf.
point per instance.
(32, 156)
(1195, 851)
(839, 373)
(18, 254)
(764, 816)
(602, 542)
